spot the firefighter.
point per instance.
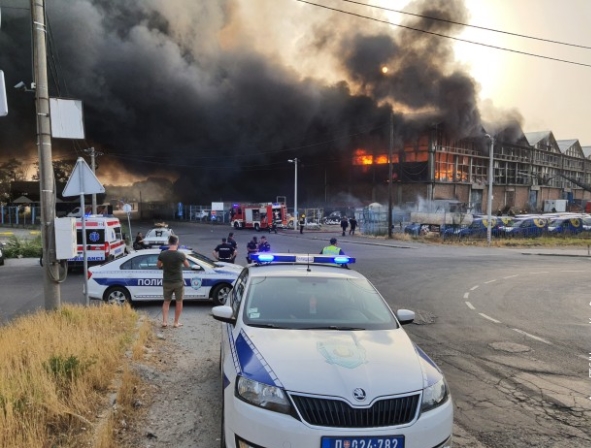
(302, 223)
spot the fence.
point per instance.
(19, 215)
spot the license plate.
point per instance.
(363, 442)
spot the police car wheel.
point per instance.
(117, 295)
(220, 294)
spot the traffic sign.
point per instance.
(82, 181)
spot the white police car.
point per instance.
(313, 357)
(136, 277)
(158, 236)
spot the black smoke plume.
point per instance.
(192, 91)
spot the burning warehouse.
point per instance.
(528, 169)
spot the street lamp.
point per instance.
(295, 192)
(490, 187)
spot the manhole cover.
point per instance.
(510, 347)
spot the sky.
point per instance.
(210, 94)
(549, 95)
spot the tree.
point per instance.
(10, 171)
(61, 170)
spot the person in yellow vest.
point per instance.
(333, 249)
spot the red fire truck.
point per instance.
(258, 216)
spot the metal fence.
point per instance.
(20, 215)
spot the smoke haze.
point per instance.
(216, 96)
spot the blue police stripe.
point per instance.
(111, 281)
(430, 369)
(252, 363)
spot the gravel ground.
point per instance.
(183, 393)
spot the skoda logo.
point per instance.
(359, 394)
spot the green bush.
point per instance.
(23, 247)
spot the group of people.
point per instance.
(348, 222)
(227, 250)
(172, 261)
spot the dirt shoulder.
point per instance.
(181, 392)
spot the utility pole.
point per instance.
(390, 149)
(491, 176)
(51, 287)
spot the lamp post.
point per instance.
(490, 187)
(295, 192)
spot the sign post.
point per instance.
(83, 181)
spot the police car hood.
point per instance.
(329, 362)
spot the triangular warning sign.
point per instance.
(82, 181)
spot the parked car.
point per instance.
(477, 229)
(312, 354)
(136, 277)
(565, 226)
(523, 228)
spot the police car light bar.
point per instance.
(262, 258)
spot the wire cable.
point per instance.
(439, 19)
(458, 39)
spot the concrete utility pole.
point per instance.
(491, 176)
(51, 287)
(390, 149)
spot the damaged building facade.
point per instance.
(529, 168)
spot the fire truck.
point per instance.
(258, 216)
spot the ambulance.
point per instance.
(104, 240)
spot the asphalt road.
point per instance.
(511, 332)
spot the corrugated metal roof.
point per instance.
(565, 144)
(536, 137)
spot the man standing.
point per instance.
(251, 248)
(344, 224)
(302, 223)
(224, 252)
(264, 245)
(353, 224)
(171, 261)
(333, 249)
(231, 240)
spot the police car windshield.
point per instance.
(316, 303)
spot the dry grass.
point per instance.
(57, 368)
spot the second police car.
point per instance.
(136, 277)
(312, 356)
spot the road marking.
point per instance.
(6, 233)
(470, 306)
(490, 318)
(510, 276)
(586, 358)
(466, 295)
(490, 281)
(532, 336)
(474, 287)
(538, 273)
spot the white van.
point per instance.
(104, 240)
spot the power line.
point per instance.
(439, 19)
(446, 36)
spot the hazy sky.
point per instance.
(549, 95)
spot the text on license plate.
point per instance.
(363, 442)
